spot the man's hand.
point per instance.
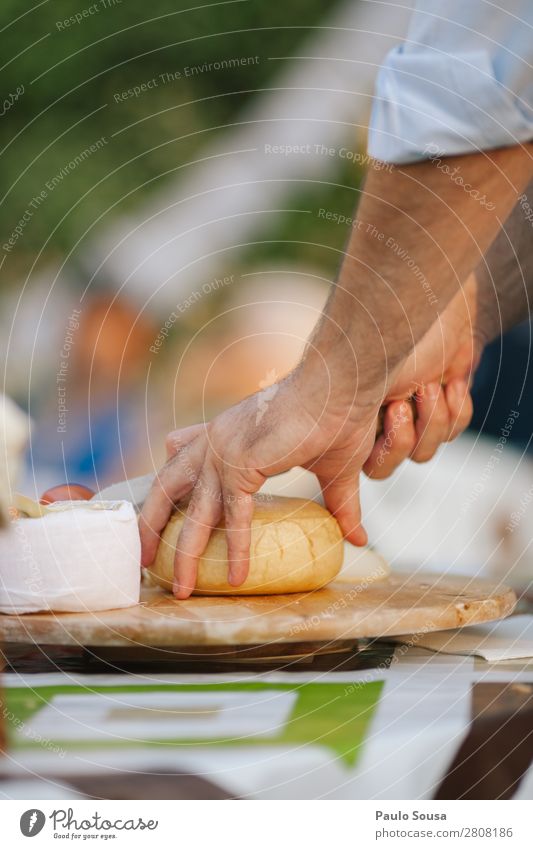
(417, 428)
(437, 377)
(414, 224)
(439, 372)
(223, 463)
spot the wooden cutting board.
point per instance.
(400, 604)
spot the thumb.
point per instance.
(341, 497)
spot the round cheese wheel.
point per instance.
(297, 546)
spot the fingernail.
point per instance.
(233, 577)
(362, 536)
(180, 592)
(359, 536)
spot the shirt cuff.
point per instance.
(427, 102)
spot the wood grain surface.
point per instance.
(400, 604)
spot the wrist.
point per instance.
(345, 365)
(328, 390)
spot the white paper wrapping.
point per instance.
(82, 556)
(362, 565)
(14, 434)
(506, 639)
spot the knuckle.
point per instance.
(172, 442)
(423, 455)
(218, 434)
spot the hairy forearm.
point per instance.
(420, 231)
(504, 277)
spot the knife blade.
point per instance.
(134, 490)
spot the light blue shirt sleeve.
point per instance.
(461, 82)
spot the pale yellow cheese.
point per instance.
(296, 546)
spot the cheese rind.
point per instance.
(296, 546)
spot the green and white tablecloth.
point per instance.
(384, 733)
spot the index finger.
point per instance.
(183, 437)
(172, 482)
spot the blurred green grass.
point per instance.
(70, 76)
(301, 235)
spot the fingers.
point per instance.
(203, 513)
(395, 443)
(460, 407)
(193, 465)
(432, 423)
(341, 497)
(442, 413)
(176, 440)
(173, 481)
(238, 510)
(155, 514)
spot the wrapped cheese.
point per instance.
(79, 556)
(14, 434)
